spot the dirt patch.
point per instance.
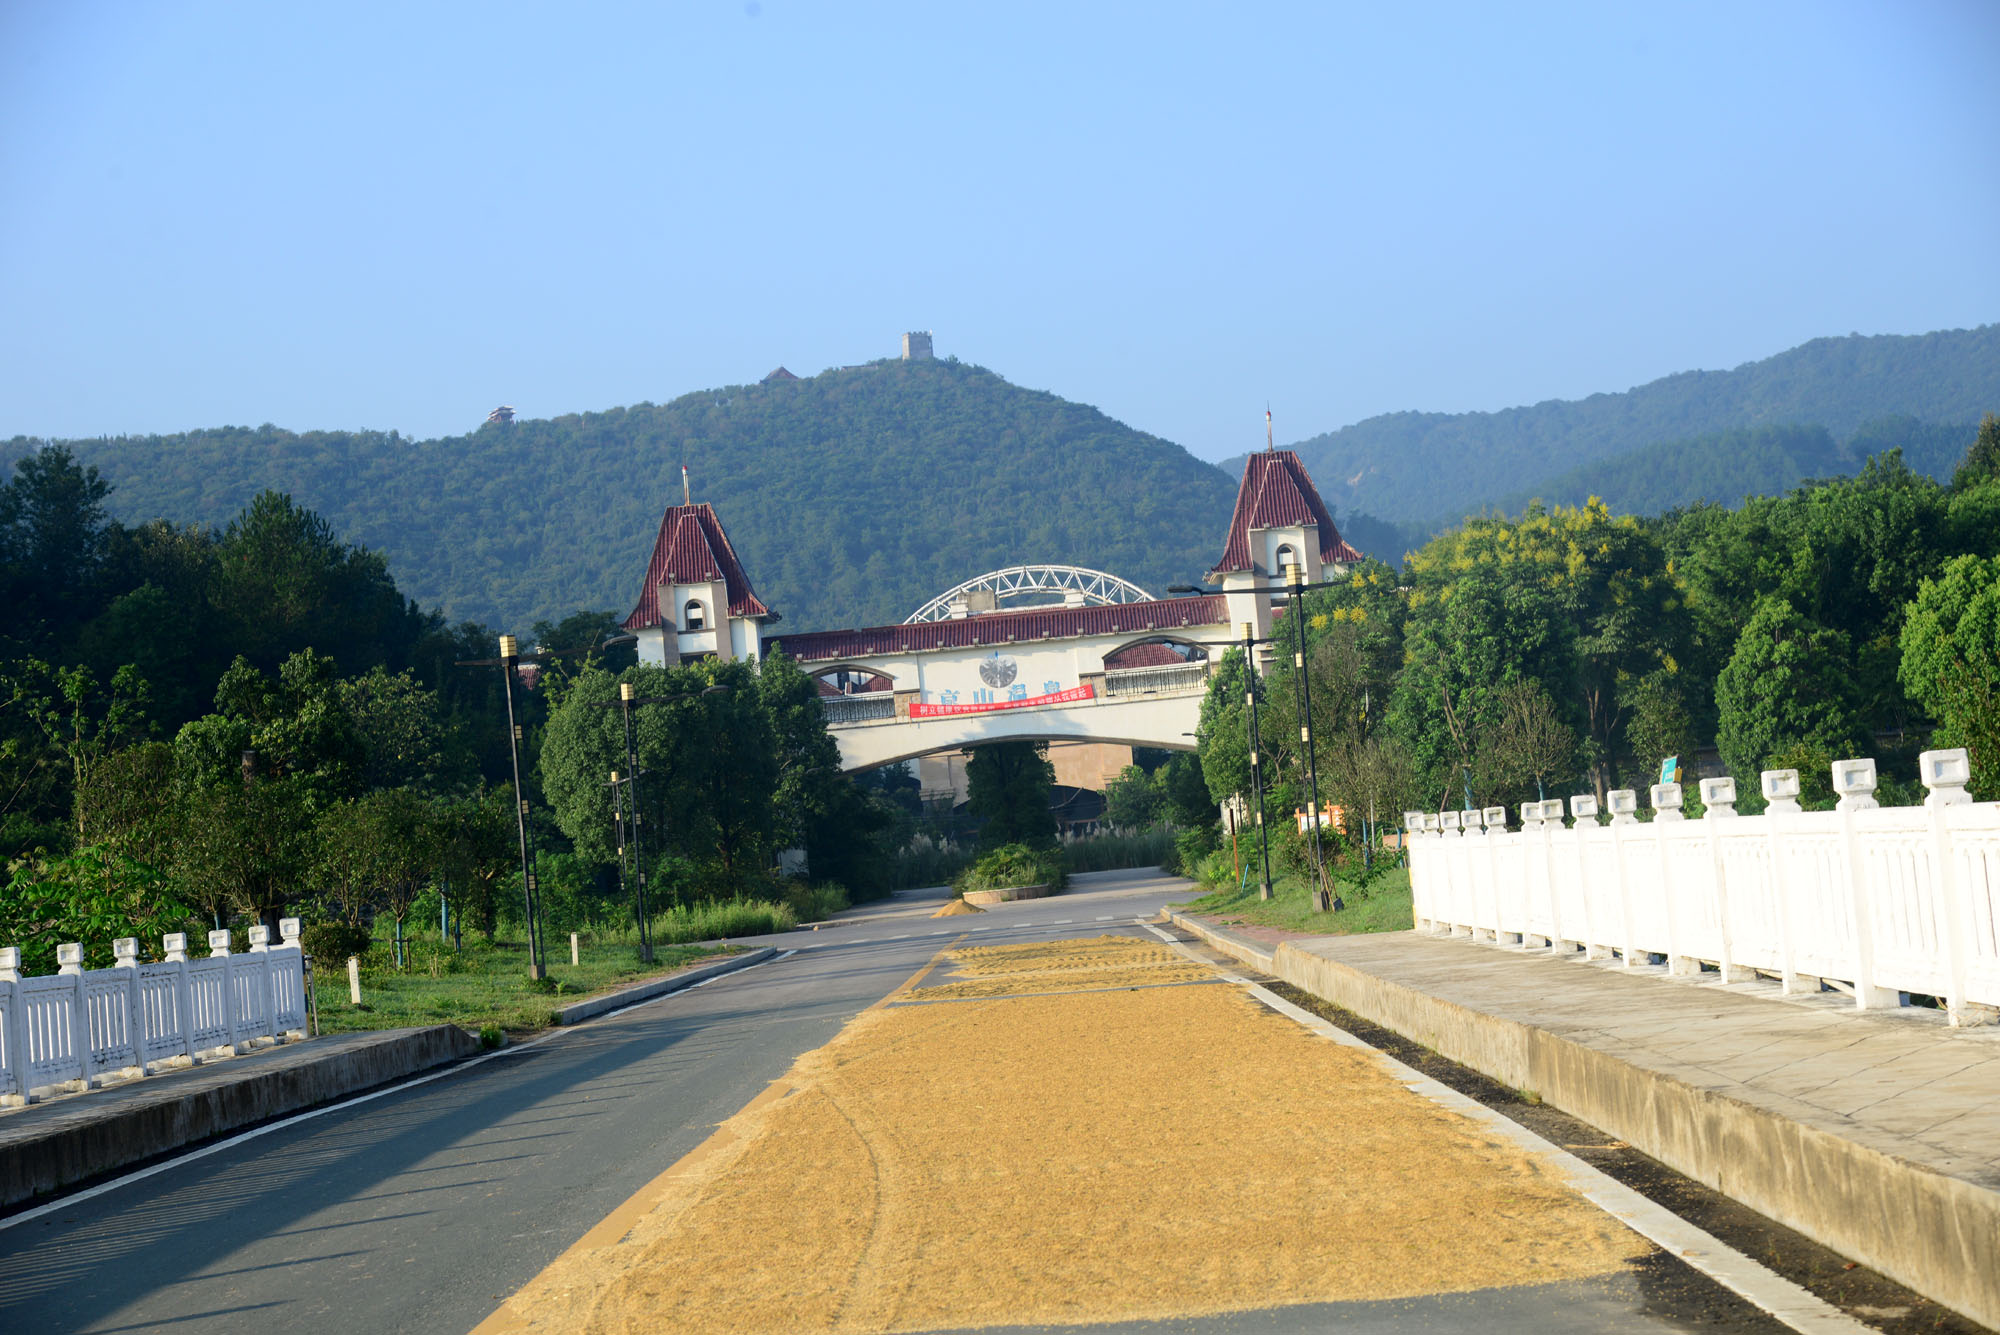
(957, 908)
(1097, 1156)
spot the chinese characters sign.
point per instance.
(951, 705)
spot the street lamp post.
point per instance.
(1324, 900)
(1256, 773)
(538, 967)
(627, 698)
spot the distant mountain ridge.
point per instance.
(1427, 469)
(852, 497)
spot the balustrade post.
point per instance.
(1946, 773)
(1623, 804)
(1781, 798)
(1413, 825)
(1583, 810)
(1854, 780)
(1718, 800)
(175, 945)
(218, 948)
(1667, 811)
(69, 963)
(1496, 825)
(260, 946)
(125, 955)
(16, 1037)
(1552, 821)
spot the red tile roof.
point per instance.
(1277, 492)
(996, 628)
(1150, 654)
(693, 549)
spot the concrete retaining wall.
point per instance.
(45, 1149)
(1937, 1234)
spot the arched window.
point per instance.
(1286, 556)
(692, 617)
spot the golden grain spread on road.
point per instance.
(1115, 1151)
(1062, 966)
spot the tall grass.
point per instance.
(926, 862)
(1111, 852)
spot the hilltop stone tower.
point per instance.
(917, 345)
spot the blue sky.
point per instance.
(401, 215)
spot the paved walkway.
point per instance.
(1900, 1083)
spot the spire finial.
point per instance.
(687, 493)
(1269, 447)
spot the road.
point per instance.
(425, 1208)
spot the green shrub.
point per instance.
(492, 1036)
(1190, 847)
(815, 901)
(333, 942)
(1013, 865)
(721, 918)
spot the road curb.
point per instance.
(1936, 1233)
(47, 1148)
(659, 987)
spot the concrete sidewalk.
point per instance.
(1875, 1133)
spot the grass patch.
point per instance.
(483, 987)
(1383, 907)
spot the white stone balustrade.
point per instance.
(76, 1028)
(1871, 901)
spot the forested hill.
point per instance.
(1429, 469)
(852, 496)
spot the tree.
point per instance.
(399, 727)
(78, 722)
(1788, 687)
(1662, 724)
(53, 535)
(709, 766)
(1131, 799)
(477, 853)
(1981, 464)
(1008, 785)
(298, 727)
(1526, 741)
(284, 580)
(1951, 661)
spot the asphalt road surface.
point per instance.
(423, 1209)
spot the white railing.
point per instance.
(1869, 900)
(1156, 680)
(858, 708)
(73, 1029)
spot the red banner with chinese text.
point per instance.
(1074, 693)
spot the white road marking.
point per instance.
(119, 1183)
(1104, 917)
(1762, 1288)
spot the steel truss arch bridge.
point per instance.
(1079, 587)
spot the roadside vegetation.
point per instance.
(1376, 903)
(481, 984)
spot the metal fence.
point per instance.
(74, 1029)
(1156, 680)
(858, 708)
(1877, 902)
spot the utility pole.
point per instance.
(538, 967)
